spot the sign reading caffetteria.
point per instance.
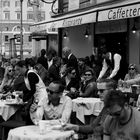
(120, 13)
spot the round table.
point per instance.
(32, 133)
(6, 111)
(86, 106)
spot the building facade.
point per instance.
(10, 25)
(109, 20)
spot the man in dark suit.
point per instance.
(53, 71)
(71, 59)
(42, 59)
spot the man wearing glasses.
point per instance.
(96, 127)
(56, 107)
(123, 121)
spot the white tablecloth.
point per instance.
(32, 133)
(6, 111)
(123, 89)
(86, 106)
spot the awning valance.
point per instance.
(66, 21)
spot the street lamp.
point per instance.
(21, 31)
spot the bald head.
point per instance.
(66, 51)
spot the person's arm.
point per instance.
(67, 110)
(126, 77)
(90, 89)
(33, 80)
(104, 69)
(106, 131)
(132, 81)
(85, 129)
(117, 59)
(37, 111)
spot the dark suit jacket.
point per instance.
(43, 61)
(73, 83)
(53, 73)
(72, 62)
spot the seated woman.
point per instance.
(132, 73)
(71, 82)
(7, 80)
(88, 86)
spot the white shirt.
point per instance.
(61, 112)
(50, 63)
(117, 58)
(69, 55)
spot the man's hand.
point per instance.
(33, 107)
(71, 127)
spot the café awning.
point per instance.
(68, 20)
(119, 9)
(122, 10)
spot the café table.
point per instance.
(132, 93)
(86, 106)
(6, 111)
(31, 132)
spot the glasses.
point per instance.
(88, 74)
(131, 68)
(102, 90)
(73, 73)
(117, 114)
(52, 92)
(10, 70)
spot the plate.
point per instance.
(56, 127)
(8, 103)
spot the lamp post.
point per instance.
(21, 31)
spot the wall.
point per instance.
(76, 40)
(134, 46)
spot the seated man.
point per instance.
(56, 107)
(96, 127)
(123, 121)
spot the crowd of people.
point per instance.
(49, 83)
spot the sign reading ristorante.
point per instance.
(120, 13)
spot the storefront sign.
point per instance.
(73, 4)
(120, 13)
(72, 22)
(67, 22)
(79, 20)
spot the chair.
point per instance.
(10, 124)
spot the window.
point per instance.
(7, 15)
(28, 4)
(42, 4)
(6, 3)
(0, 4)
(42, 15)
(6, 28)
(18, 15)
(30, 15)
(17, 3)
(30, 39)
(6, 38)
